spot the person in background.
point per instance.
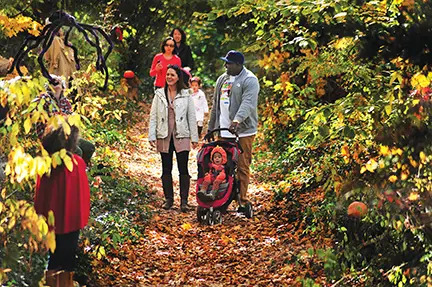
(182, 49)
(200, 101)
(235, 107)
(60, 58)
(57, 103)
(162, 60)
(67, 194)
(172, 128)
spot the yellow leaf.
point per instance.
(343, 43)
(27, 125)
(419, 81)
(423, 157)
(225, 239)
(56, 159)
(101, 252)
(68, 163)
(66, 128)
(50, 241)
(398, 225)
(345, 150)
(404, 176)
(371, 165)
(42, 226)
(42, 168)
(12, 222)
(186, 226)
(35, 117)
(413, 196)
(363, 169)
(393, 178)
(26, 92)
(384, 150)
(388, 109)
(51, 218)
(74, 120)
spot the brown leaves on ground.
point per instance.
(176, 250)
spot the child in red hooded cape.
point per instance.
(215, 176)
(67, 193)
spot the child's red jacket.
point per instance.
(67, 194)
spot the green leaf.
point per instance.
(348, 132)
(324, 131)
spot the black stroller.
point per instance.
(211, 212)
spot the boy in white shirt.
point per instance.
(200, 101)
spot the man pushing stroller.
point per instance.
(235, 107)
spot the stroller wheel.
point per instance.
(217, 217)
(201, 214)
(248, 210)
(209, 217)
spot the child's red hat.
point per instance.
(219, 149)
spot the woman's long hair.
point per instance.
(180, 84)
(183, 34)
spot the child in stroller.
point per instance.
(213, 200)
(215, 176)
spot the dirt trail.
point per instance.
(177, 251)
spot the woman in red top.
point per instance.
(161, 61)
(67, 194)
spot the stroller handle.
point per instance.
(209, 134)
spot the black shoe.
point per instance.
(184, 207)
(167, 205)
(241, 209)
(213, 194)
(204, 196)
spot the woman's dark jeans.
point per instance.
(167, 160)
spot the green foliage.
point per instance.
(24, 234)
(338, 114)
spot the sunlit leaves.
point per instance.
(420, 81)
(186, 226)
(370, 166)
(50, 241)
(23, 166)
(12, 26)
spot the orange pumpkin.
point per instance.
(129, 74)
(357, 209)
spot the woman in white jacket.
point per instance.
(172, 129)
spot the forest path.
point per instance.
(175, 250)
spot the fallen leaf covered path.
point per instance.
(176, 250)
